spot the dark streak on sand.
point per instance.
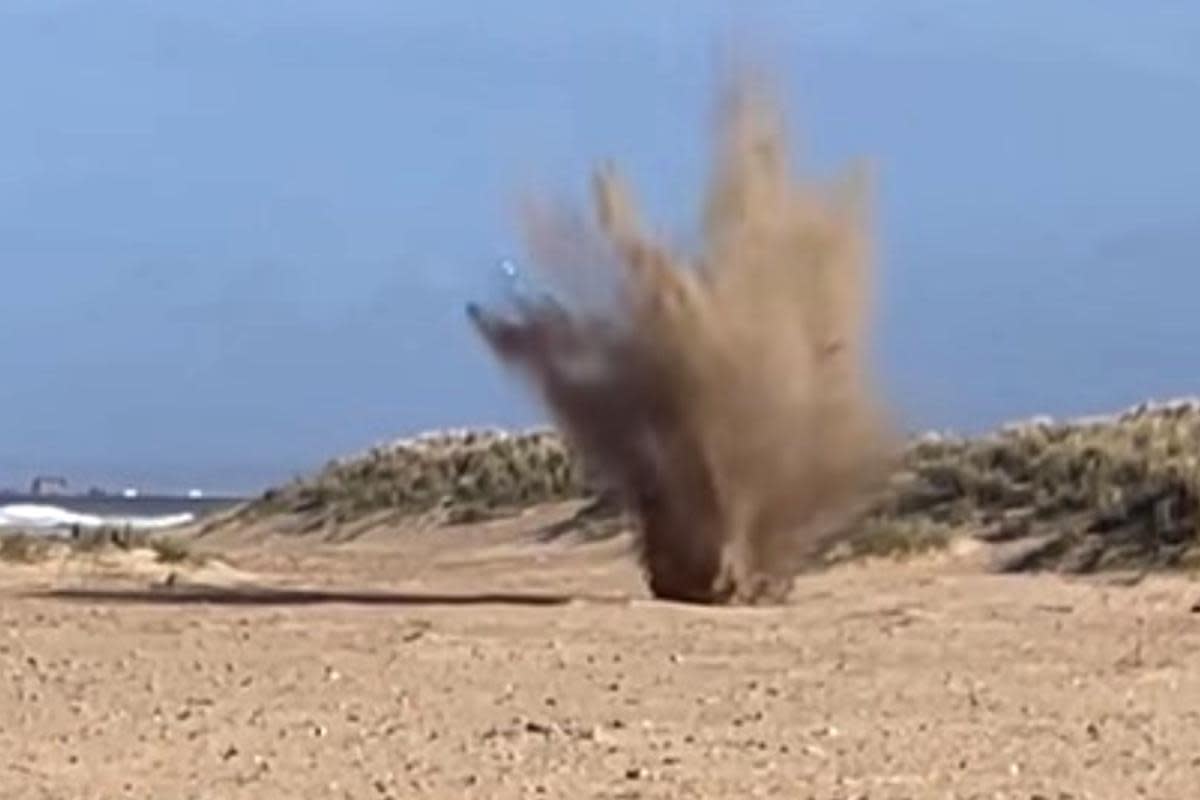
(251, 596)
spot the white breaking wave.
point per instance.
(30, 515)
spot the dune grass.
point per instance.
(1113, 493)
(22, 547)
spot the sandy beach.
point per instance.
(480, 661)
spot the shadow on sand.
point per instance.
(265, 596)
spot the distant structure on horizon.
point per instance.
(43, 485)
(57, 486)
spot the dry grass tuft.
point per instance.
(31, 548)
(454, 476)
(173, 550)
(23, 548)
(1114, 493)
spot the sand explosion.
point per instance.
(725, 397)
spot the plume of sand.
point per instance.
(726, 398)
